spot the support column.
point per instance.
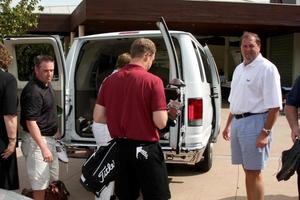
(66, 44)
(226, 58)
(72, 36)
(81, 30)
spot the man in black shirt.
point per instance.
(39, 119)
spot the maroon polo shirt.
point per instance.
(130, 96)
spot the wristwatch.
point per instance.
(267, 131)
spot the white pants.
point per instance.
(107, 192)
(102, 137)
(101, 134)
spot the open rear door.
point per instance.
(24, 50)
(175, 140)
(170, 46)
(215, 95)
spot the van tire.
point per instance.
(206, 164)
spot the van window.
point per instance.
(198, 60)
(161, 64)
(25, 57)
(205, 65)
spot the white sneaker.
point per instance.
(61, 152)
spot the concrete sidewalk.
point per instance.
(223, 182)
(226, 181)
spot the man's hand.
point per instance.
(226, 134)
(262, 140)
(47, 155)
(10, 149)
(11, 129)
(295, 134)
(174, 109)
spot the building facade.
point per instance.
(217, 23)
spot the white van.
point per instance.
(91, 58)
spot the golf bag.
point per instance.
(99, 169)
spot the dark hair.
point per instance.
(248, 35)
(42, 58)
(141, 46)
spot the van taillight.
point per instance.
(195, 112)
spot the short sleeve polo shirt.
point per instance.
(130, 97)
(38, 104)
(255, 87)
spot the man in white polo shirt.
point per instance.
(255, 100)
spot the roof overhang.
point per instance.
(197, 17)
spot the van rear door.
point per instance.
(215, 94)
(175, 140)
(24, 50)
(170, 47)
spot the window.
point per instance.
(25, 57)
(198, 60)
(206, 66)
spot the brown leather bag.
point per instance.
(56, 191)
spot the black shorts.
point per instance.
(141, 168)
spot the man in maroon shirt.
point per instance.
(132, 103)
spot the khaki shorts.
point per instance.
(40, 173)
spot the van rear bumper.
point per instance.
(186, 156)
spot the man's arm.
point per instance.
(226, 131)
(262, 140)
(37, 136)
(99, 115)
(291, 114)
(11, 129)
(273, 114)
(291, 109)
(160, 118)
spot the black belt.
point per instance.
(247, 114)
(134, 142)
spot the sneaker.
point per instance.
(61, 152)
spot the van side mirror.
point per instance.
(177, 82)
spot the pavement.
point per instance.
(223, 182)
(226, 181)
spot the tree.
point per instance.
(17, 20)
